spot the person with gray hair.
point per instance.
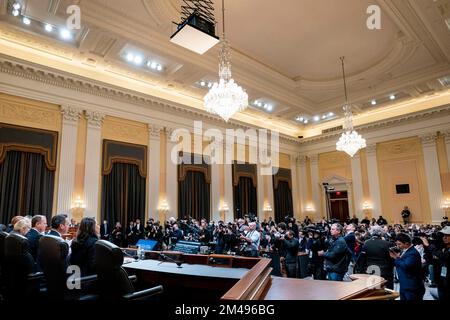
(375, 258)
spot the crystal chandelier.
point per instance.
(226, 97)
(350, 141)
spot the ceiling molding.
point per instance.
(383, 124)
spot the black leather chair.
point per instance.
(20, 277)
(52, 257)
(113, 281)
(3, 236)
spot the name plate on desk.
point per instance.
(217, 260)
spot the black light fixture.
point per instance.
(197, 29)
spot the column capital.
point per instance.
(154, 131)
(314, 159)
(371, 149)
(428, 139)
(95, 119)
(71, 114)
(301, 160)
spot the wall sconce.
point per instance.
(367, 206)
(310, 208)
(446, 206)
(224, 207)
(163, 205)
(78, 204)
(267, 207)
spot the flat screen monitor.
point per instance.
(147, 244)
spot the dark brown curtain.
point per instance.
(26, 186)
(245, 198)
(123, 195)
(194, 196)
(282, 197)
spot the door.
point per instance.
(339, 206)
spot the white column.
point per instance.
(215, 189)
(357, 185)
(447, 146)
(374, 182)
(269, 185)
(433, 176)
(303, 184)
(316, 190)
(260, 192)
(66, 178)
(171, 177)
(93, 163)
(295, 190)
(228, 176)
(154, 169)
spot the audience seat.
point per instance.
(113, 280)
(22, 282)
(3, 236)
(52, 258)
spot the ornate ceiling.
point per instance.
(286, 54)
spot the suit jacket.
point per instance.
(54, 233)
(104, 234)
(376, 251)
(409, 272)
(302, 243)
(139, 232)
(291, 247)
(83, 255)
(33, 240)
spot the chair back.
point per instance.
(52, 257)
(19, 264)
(3, 236)
(113, 281)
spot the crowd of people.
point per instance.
(327, 250)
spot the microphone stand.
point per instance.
(164, 257)
(135, 257)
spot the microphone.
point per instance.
(164, 257)
(135, 257)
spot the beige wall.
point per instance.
(401, 162)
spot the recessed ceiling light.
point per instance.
(138, 60)
(202, 83)
(324, 116)
(130, 57)
(269, 108)
(159, 67)
(65, 34)
(16, 6)
(300, 119)
(260, 104)
(392, 97)
(26, 21)
(305, 122)
(266, 106)
(48, 27)
(373, 102)
(15, 13)
(210, 84)
(153, 65)
(316, 118)
(331, 114)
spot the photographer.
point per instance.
(252, 239)
(405, 215)
(290, 259)
(442, 258)
(338, 256)
(175, 234)
(314, 246)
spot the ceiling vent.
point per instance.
(334, 129)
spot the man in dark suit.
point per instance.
(291, 246)
(350, 239)
(104, 231)
(375, 253)
(405, 215)
(138, 230)
(408, 264)
(38, 226)
(60, 225)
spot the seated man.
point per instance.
(38, 226)
(60, 225)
